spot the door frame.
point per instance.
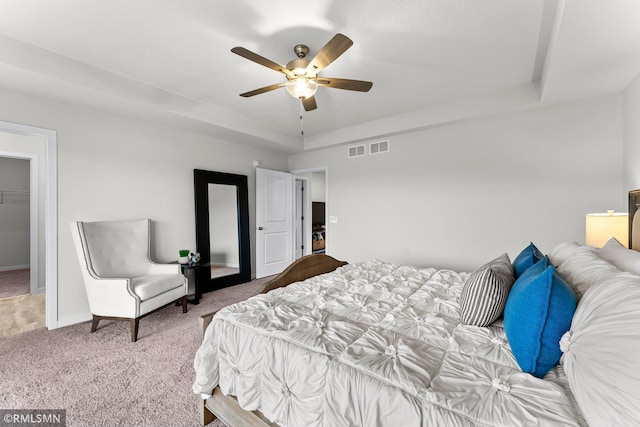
(51, 211)
(325, 170)
(301, 197)
(296, 175)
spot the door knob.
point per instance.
(260, 228)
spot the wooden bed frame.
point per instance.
(226, 408)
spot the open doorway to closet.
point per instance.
(14, 227)
(30, 151)
(22, 302)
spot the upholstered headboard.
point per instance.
(634, 220)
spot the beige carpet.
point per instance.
(102, 379)
(22, 313)
(14, 282)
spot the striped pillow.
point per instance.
(485, 292)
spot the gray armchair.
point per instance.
(122, 282)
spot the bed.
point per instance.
(538, 340)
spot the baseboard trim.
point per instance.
(14, 267)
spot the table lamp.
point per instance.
(600, 227)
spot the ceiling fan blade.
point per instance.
(262, 90)
(251, 56)
(309, 103)
(329, 53)
(346, 84)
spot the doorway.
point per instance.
(315, 198)
(16, 277)
(22, 299)
(283, 216)
(39, 146)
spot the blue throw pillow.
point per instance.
(538, 312)
(525, 259)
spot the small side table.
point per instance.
(194, 272)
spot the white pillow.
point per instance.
(584, 269)
(562, 252)
(602, 353)
(625, 259)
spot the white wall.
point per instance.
(457, 195)
(318, 190)
(112, 167)
(632, 136)
(451, 196)
(14, 213)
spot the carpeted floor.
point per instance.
(21, 313)
(102, 379)
(14, 282)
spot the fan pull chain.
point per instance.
(301, 120)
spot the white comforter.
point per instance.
(373, 344)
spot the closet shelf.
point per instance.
(26, 192)
(12, 195)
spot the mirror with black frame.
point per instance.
(222, 230)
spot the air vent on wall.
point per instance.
(357, 151)
(379, 147)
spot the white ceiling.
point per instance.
(430, 61)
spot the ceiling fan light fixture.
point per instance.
(302, 74)
(301, 87)
(298, 66)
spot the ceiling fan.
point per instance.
(302, 74)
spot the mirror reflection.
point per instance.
(223, 230)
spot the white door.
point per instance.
(274, 221)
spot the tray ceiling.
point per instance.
(431, 62)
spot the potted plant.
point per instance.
(184, 256)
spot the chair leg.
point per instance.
(94, 324)
(134, 329)
(185, 300)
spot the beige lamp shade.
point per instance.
(600, 227)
